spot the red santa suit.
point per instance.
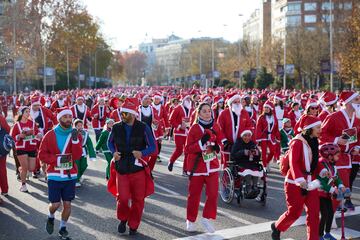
(59, 103)
(101, 113)
(28, 143)
(327, 99)
(300, 161)
(232, 129)
(4, 104)
(205, 173)
(331, 130)
(177, 117)
(81, 112)
(4, 187)
(115, 114)
(294, 117)
(268, 135)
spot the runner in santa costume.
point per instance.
(100, 112)
(329, 102)
(115, 114)
(59, 103)
(218, 106)
(343, 128)
(233, 121)
(59, 149)
(80, 110)
(312, 109)
(267, 134)
(4, 103)
(180, 121)
(4, 187)
(26, 134)
(131, 142)
(43, 117)
(300, 182)
(203, 142)
(160, 124)
(246, 103)
(280, 110)
(294, 114)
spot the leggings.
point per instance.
(354, 171)
(327, 215)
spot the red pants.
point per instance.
(344, 174)
(195, 188)
(4, 187)
(179, 149)
(153, 158)
(131, 191)
(295, 203)
(266, 158)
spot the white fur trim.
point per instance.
(267, 105)
(251, 172)
(233, 98)
(75, 142)
(246, 132)
(312, 125)
(36, 103)
(202, 147)
(62, 113)
(351, 98)
(128, 110)
(331, 102)
(299, 180)
(332, 189)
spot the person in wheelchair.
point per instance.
(246, 156)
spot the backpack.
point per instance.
(7, 142)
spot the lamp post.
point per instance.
(240, 75)
(331, 49)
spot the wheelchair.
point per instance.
(232, 184)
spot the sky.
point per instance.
(127, 23)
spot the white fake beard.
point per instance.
(357, 109)
(236, 108)
(187, 104)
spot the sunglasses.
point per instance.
(314, 108)
(124, 114)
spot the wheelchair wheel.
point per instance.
(226, 186)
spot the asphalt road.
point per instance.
(23, 215)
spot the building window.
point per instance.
(310, 6)
(293, 20)
(294, 7)
(348, 6)
(326, 18)
(310, 19)
(326, 6)
(312, 29)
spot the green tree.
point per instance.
(263, 79)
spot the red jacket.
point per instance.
(332, 129)
(265, 133)
(49, 119)
(161, 121)
(194, 148)
(55, 105)
(324, 113)
(176, 118)
(49, 150)
(87, 114)
(227, 126)
(29, 142)
(99, 121)
(115, 114)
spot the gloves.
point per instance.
(216, 148)
(205, 138)
(170, 167)
(74, 134)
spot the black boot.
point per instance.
(50, 225)
(170, 166)
(122, 227)
(275, 235)
(132, 232)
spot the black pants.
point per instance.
(354, 171)
(159, 146)
(327, 215)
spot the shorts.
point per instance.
(29, 153)
(61, 190)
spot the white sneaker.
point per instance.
(190, 226)
(23, 188)
(207, 225)
(333, 224)
(77, 184)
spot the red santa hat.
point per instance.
(232, 97)
(218, 99)
(35, 100)
(80, 96)
(279, 97)
(328, 98)
(185, 96)
(246, 132)
(311, 103)
(308, 122)
(348, 96)
(62, 112)
(269, 104)
(130, 106)
(157, 96)
(205, 97)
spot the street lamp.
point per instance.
(240, 75)
(331, 49)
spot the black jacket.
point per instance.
(238, 155)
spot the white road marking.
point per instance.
(255, 228)
(166, 190)
(231, 216)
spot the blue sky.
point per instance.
(126, 22)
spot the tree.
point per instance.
(134, 64)
(263, 79)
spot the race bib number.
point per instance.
(29, 137)
(64, 162)
(351, 134)
(208, 157)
